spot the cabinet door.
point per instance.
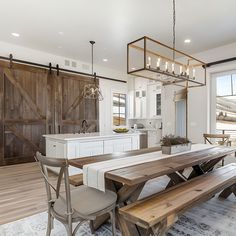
(55, 149)
(152, 138)
(135, 142)
(117, 145)
(154, 101)
(90, 148)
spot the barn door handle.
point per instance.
(59, 129)
(50, 129)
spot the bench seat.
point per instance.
(76, 180)
(167, 205)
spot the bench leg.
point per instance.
(126, 228)
(228, 191)
(158, 230)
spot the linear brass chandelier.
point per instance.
(151, 59)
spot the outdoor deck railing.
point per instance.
(231, 132)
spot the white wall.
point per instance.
(107, 87)
(45, 58)
(200, 105)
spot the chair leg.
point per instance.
(69, 226)
(78, 226)
(113, 222)
(50, 222)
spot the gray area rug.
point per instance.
(212, 218)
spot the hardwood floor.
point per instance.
(22, 192)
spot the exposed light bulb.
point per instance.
(158, 62)
(187, 71)
(173, 67)
(149, 61)
(194, 71)
(166, 66)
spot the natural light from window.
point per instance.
(226, 104)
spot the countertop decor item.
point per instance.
(121, 130)
(171, 144)
(151, 59)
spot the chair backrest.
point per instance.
(62, 164)
(223, 137)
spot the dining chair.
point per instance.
(219, 139)
(77, 205)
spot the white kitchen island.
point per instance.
(89, 144)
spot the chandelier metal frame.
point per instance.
(184, 67)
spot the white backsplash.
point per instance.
(148, 123)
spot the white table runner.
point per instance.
(94, 174)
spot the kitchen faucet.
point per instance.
(84, 126)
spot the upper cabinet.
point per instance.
(144, 99)
(154, 100)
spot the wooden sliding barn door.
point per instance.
(25, 112)
(70, 108)
(34, 102)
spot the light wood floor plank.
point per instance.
(22, 192)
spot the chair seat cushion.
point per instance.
(86, 201)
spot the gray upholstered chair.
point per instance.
(78, 205)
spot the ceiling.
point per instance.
(64, 27)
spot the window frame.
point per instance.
(232, 89)
(119, 108)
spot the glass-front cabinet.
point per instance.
(144, 100)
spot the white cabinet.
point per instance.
(90, 148)
(152, 138)
(154, 101)
(55, 149)
(68, 146)
(144, 99)
(117, 145)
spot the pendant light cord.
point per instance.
(92, 59)
(174, 22)
(92, 43)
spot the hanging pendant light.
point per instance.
(151, 59)
(92, 90)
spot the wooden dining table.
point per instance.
(128, 182)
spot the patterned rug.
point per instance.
(212, 218)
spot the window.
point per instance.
(119, 109)
(225, 104)
(226, 85)
(234, 83)
(158, 104)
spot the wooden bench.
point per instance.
(158, 212)
(76, 180)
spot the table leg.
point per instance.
(176, 178)
(128, 194)
(204, 168)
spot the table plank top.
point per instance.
(140, 173)
(80, 162)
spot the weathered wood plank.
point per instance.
(141, 173)
(9, 75)
(76, 180)
(1, 115)
(154, 209)
(80, 162)
(22, 137)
